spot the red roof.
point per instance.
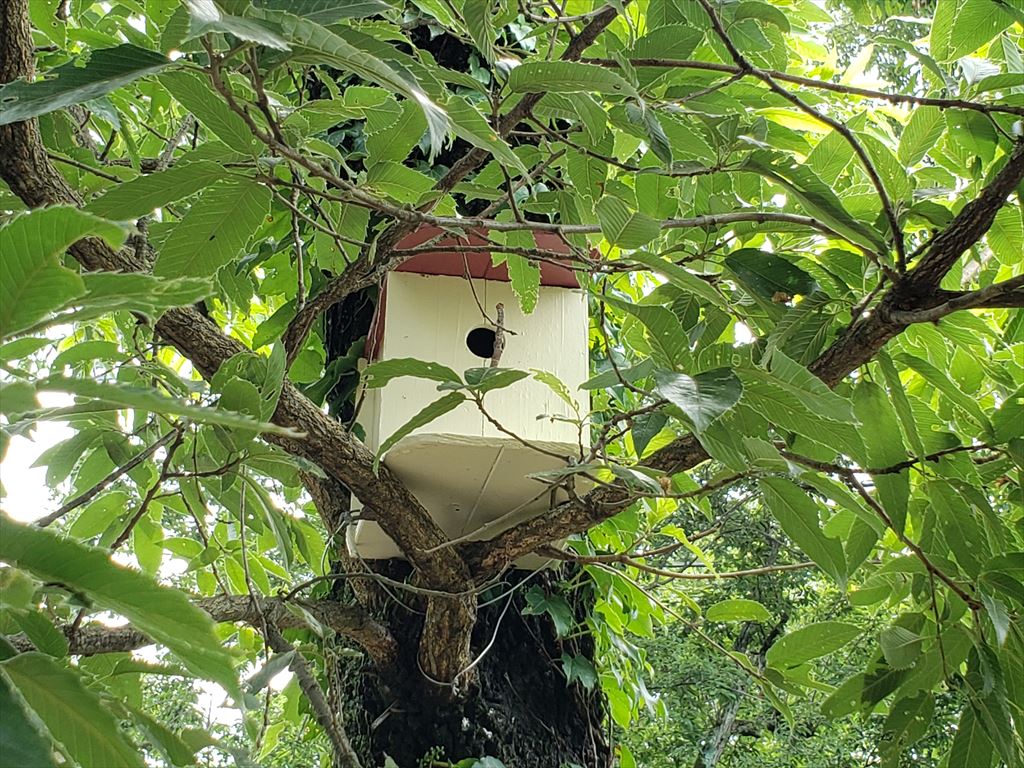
(479, 262)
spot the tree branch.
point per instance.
(350, 621)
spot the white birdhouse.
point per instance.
(472, 477)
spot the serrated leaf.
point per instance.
(32, 282)
(669, 342)
(799, 517)
(433, 411)
(73, 714)
(312, 41)
(144, 194)
(206, 18)
(738, 609)
(326, 11)
(163, 614)
(810, 642)
(117, 396)
(196, 95)
(900, 646)
(476, 15)
(768, 274)
(214, 230)
(525, 278)
(681, 278)
(920, 134)
(623, 227)
(961, 27)
(883, 444)
(22, 744)
(380, 373)
(469, 123)
(486, 379)
(567, 77)
(106, 70)
(704, 397)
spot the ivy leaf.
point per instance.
(214, 230)
(579, 669)
(163, 614)
(704, 397)
(623, 227)
(73, 714)
(32, 281)
(539, 602)
(106, 70)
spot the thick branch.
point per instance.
(350, 621)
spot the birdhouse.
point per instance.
(471, 476)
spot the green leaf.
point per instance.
(669, 342)
(704, 397)
(578, 669)
(469, 123)
(146, 294)
(539, 602)
(738, 609)
(196, 95)
(884, 448)
(810, 642)
(314, 42)
(920, 134)
(971, 748)
(144, 194)
(907, 722)
(961, 27)
(476, 15)
(768, 274)
(21, 743)
(900, 646)
(32, 281)
(525, 278)
(380, 373)
(567, 77)
(681, 278)
(326, 11)
(117, 396)
(214, 230)
(106, 70)
(672, 41)
(798, 516)
(207, 18)
(816, 197)
(958, 520)
(623, 227)
(949, 390)
(73, 715)
(485, 379)
(433, 411)
(161, 613)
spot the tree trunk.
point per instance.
(519, 707)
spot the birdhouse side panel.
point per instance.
(430, 318)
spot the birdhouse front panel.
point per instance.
(472, 477)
